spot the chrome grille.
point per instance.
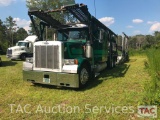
(47, 57)
(9, 51)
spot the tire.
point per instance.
(23, 57)
(110, 64)
(84, 76)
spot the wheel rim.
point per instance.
(84, 76)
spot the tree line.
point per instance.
(145, 41)
(10, 34)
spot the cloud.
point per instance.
(22, 23)
(137, 21)
(6, 2)
(151, 22)
(129, 26)
(107, 20)
(137, 32)
(155, 27)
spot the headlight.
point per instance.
(30, 60)
(70, 61)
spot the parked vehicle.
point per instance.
(22, 49)
(78, 53)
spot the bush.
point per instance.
(153, 89)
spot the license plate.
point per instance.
(46, 80)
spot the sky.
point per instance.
(130, 16)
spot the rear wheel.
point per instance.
(110, 63)
(84, 76)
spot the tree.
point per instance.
(3, 39)
(157, 36)
(11, 26)
(2, 31)
(21, 34)
(49, 5)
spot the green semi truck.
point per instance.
(79, 51)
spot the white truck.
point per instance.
(22, 49)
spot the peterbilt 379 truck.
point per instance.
(77, 53)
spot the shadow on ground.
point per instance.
(118, 71)
(8, 63)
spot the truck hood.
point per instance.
(16, 47)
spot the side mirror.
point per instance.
(17, 44)
(101, 36)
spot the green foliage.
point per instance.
(135, 52)
(46, 5)
(9, 34)
(144, 41)
(153, 89)
(3, 38)
(21, 34)
(11, 27)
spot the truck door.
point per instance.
(30, 47)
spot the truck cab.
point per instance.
(23, 48)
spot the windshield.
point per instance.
(77, 35)
(72, 34)
(62, 36)
(22, 44)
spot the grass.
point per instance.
(122, 86)
(153, 65)
(137, 52)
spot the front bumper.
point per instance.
(13, 56)
(52, 78)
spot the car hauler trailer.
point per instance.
(123, 54)
(77, 52)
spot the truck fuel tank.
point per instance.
(89, 50)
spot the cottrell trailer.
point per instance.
(79, 50)
(123, 48)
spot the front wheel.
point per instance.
(84, 76)
(23, 57)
